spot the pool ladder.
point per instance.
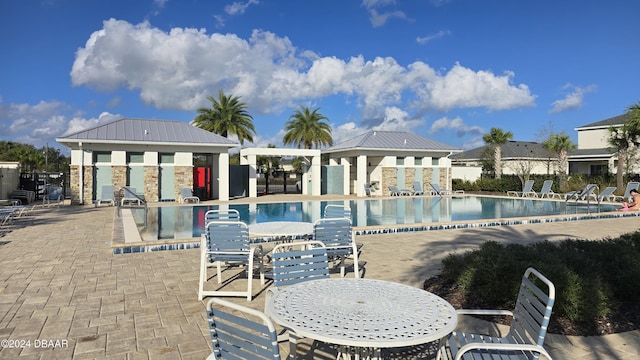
(581, 196)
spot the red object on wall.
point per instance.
(202, 182)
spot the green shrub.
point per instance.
(592, 278)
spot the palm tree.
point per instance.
(560, 144)
(496, 137)
(622, 138)
(305, 129)
(228, 115)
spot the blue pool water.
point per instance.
(184, 222)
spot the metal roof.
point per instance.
(129, 130)
(390, 140)
(589, 153)
(510, 150)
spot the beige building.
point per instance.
(153, 156)
(594, 155)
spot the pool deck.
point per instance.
(60, 281)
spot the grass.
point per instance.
(596, 282)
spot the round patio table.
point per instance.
(362, 313)
(281, 230)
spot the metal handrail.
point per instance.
(588, 199)
(121, 193)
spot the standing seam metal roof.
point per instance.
(397, 140)
(146, 130)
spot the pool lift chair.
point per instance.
(226, 243)
(525, 339)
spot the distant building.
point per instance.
(515, 155)
(383, 158)
(594, 155)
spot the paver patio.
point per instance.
(60, 282)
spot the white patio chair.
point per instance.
(527, 190)
(299, 261)
(631, 185)
(336, 211)
(107, 196)
(221, 214)
(367, 189)
(337, 235)
(227, 243)
(417, 188)
(186, 196)
(546, 190)
(525, 339)
(239, 332)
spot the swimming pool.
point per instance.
(186, 222)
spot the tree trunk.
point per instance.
(563, 160)
(497, 161)
(622, 155)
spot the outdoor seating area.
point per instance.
(161, 290)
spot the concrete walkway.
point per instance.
(64, 295)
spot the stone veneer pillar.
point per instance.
(183, 178)
(151, 185)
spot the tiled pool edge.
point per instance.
(391, 230)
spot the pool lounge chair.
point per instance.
(438, 191)
(107, 196)
(130, 196)
(627, 192)
(367, 189)
(394, 191)
(54, 197)
(186, 196)
(607, 194)
(546, 191)
(417, 188)
(527, 190)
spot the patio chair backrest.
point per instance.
(607, 193)
(222, 214)
(632, 185)
(417, 187)
(533, 309)
(546, 187)
(298, 262)
(239, 332)
(228, 241)
(367, 189)
(336, 211)
(186, 192)
(436, 188)
(336, 234)
(528, 186)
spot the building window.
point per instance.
(598, 169)
(166, 158)
(135, 158)
(400, 161)
(418, 161)
(435, 161)
(101, 157)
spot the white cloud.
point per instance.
(180, 68)
(440, 34)
(378, 19)
(573, 100)
(77, 124)
(473, 143)
(396, 119)
(457, 124)
(239, 7)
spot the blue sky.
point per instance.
(448, 70)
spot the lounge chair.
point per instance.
(525, 340)
(546, 190)
(186, 195)
(367, 189)
(417, 188)
(107, 196)
(394, 191)
(239, 332)
(130, 196)
(607, 194)
(438, 191)
(627, 192)
(227, 243)
(527, 190)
